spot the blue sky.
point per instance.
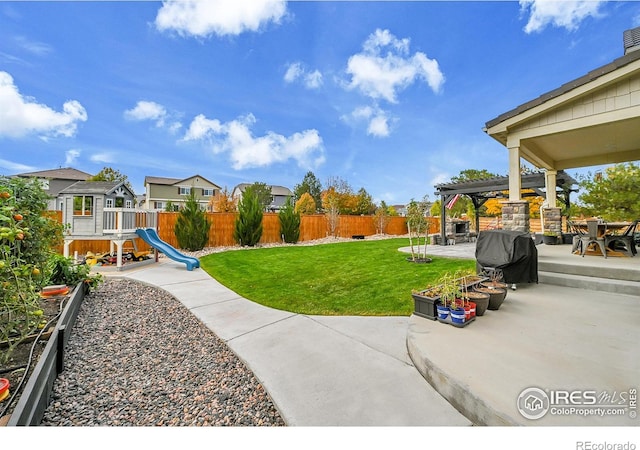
(389, 96)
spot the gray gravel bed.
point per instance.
(138, 357)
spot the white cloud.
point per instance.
(295, 71)
(385, 67)
(313, 79)
(16, 167)
(202, 18)
(71, 156)
(439, 177)
(103, 158)
(377, 120)
(174, 127)
(378, 126)
(35, 47)
(20, 116)
(562, 14)
(246, 151)
(145, 110)
(201, 127)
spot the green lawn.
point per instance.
(365, 278)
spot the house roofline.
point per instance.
(567, 87)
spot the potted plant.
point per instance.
(476, 303)
(449, 292)
(550, 238)
(425, 302)
(496, 289)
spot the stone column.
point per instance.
(515, 216)
(552, 219)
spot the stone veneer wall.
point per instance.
(515, 216)
(552, 218)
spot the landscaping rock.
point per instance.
(138, 357)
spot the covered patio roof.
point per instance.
(592, 120)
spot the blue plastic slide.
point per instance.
(151, 237)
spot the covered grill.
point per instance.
(512, 252)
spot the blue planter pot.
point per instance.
(457, 315)
(443, 311)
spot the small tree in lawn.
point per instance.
(289, 223)
(192, 226)
(248, 225)
(381, 217)
(331, 206)
(418, 226)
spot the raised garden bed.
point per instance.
(34, 395)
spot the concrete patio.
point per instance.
(545, 336)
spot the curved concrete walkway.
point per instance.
(318, 370)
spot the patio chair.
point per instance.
(627, 239)
(576, 243)
(592, 238)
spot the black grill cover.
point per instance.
(514, 252)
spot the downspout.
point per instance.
(542, 207)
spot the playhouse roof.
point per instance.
(95, 187)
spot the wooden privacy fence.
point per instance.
(312, 227)
(222, 225)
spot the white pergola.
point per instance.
(593, 120)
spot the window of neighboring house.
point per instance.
(184, 190)
(108, 203)
(207, 192)
(82, 205)
(128, 204)
(119, 202)
(158, 205)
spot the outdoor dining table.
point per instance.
(605, 227)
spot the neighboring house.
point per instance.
(55, 180)
(141, 201)
(160, 191)
(279, 195)
(401, 210)
(83, 204)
